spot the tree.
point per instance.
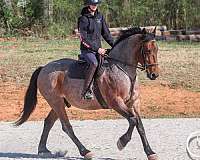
(48, 12)
(6, 13)
(60, 16)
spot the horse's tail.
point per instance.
(30, 99)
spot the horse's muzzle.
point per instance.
(152, 76)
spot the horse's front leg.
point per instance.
(118, 105)
(124, 139)
(140, 128)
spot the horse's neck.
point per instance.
(126, 52)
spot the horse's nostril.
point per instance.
(153, 75)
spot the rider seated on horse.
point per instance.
(92, 26)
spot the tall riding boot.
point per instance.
(87, 93)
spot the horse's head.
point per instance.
(148, 54)
(137, 46)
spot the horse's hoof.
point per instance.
(89, 156)
(119, 145)
(153, 157)
(60, 154)
(45, 154)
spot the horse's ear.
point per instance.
(154, 31)
(144, 31)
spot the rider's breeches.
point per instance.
(90, 58)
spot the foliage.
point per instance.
(176, 14)
(66, 13)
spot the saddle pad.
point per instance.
(77, 70)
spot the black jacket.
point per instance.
(91, 29)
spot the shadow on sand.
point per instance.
(25, 155)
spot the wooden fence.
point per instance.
(161, 33)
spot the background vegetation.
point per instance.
(59, 17)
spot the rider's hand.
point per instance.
(102, 51)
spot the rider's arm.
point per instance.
(106, 33)
(83, 24)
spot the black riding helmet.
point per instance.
(92, 2)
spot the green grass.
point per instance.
(179, 62)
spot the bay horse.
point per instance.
(118, 84)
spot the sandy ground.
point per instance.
(166, 136)
(158, 100)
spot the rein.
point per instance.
(124, 63)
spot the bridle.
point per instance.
(144, 53)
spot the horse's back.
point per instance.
(52, 72)
(59, 65)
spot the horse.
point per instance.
(118, 85)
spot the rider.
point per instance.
(92, 26)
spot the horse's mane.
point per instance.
(127, 33)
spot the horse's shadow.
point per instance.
(31, 156)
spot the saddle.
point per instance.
(78, 70)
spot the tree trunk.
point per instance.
(51, 11)
(48, 12)
(8, 6)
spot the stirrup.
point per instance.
(88, 95)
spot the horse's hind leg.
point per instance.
(58, 105)
(48, 124)
(67, 128)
